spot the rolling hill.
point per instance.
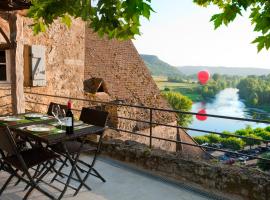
(189, 70)
(158, 67)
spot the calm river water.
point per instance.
(225, 103)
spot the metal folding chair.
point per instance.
(15, 161)
(73, 149)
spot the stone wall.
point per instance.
(64, 63)
(125, 75)
(231, 182)
(5, 100)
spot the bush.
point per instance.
(252, 142)
(265, 135)
(264, 165)
(201, 139)
(167, 89)
(213, 139)
(182, 103)
(267, 128)
(233, 143)
(242, 132)
(225, 134)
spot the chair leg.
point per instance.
(58, 172)
(34, 185)
(92, 166)
(98, 175)
(6, 184)
(81, 184)
(37, 174)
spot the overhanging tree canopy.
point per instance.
(121, 18)
(115, 18)
(259, 16)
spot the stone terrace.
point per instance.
(123, 183)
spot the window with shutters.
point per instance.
(4, 66)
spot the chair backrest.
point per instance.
(7, 142)
(49, 112)
(94, 117)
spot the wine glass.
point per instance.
(55, 112)
(62, 115)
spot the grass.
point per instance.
(162, 83)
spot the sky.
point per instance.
(180, 33)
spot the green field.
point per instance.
(162, 83)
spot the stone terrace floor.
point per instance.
(123, 183)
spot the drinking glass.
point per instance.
(55, 112)
(62, 117)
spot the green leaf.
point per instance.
(67, 20)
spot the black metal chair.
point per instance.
(14, 161)
(75, 148)
(49, 112)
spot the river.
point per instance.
(227, 103)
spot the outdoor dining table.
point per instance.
(55, 136)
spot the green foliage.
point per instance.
(226, 133)
(255, 89)
(176, 79)
(158, 67)
(213, 139)
(263, 133)
(113, 18)
(263, 164)
(166, 89)
(182, 103)
(251, 141)
(218, 83)
(230, 9)
(233, 143)
(201, 139)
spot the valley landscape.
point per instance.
(233, 92)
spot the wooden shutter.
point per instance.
(38, 65)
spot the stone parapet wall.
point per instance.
(232, 182)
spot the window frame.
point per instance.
(8, 68)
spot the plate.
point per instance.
(78, 123)
(34, 115)
(10, 119)
(40, 128)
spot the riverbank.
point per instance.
(190, 89)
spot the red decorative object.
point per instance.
(203, 77)
(201, 117)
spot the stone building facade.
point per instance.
(74, 58)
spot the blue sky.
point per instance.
(180, 33)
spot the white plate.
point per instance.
(39, 128)
(34, 115)
(78, 123)
(10, 119)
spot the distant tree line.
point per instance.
(255, 89)
(218, 83)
